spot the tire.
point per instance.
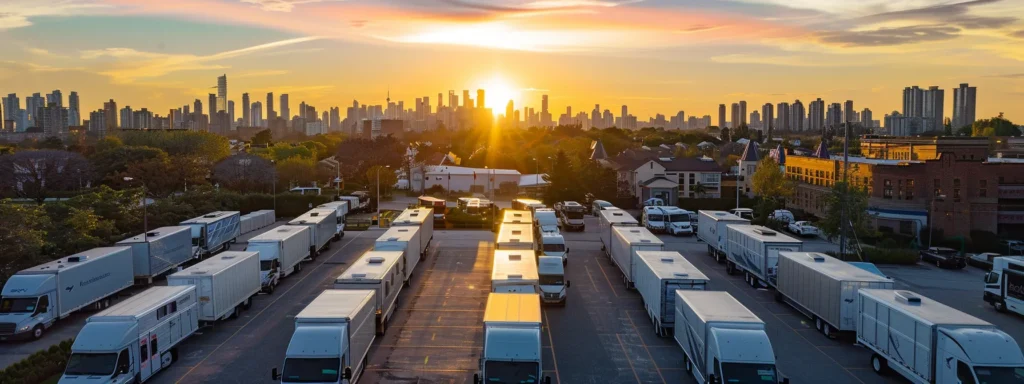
(298, 267)
(270, 289)
(827, 331)
(938, 264)
(818, 324)
(878, 364)
(1000, 306)
(247, 303)
(174, 355)
(37, 332)
(234, 314)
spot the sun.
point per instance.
(498, 92)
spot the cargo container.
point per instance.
(928, 342)
(225, 283)
(135, 339)
(515, 271)
(512, 346)
(340, 214)
(256, 220)
(754, 250)
(553, 285)
(159, 251)
(512, 216)
(423, 219)
(323, 228)
(406, 240)
(214, 231)
(381, 272)
(332, 339)
(712, 228)
(515, 236)
(722, 341)
(824, 289)
(626, 242)
(658, 274)
(281, 250)
(33, 299)
(613, 218)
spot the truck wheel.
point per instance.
(827, 330)
(37, 332)
(818, 324)
(298, 267)
(938, 264)
(247, 303)
(1000, 306)
(878, 364)
(730, 269)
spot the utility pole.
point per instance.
(846, 187)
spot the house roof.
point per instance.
(599, 153)
(822, 151)
(779, 154)
(750, 152)
(659, 182)
(690, 164)
(534, 180)
(443, 169)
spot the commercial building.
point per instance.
(465, 179)
(965, 101)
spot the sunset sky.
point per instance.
(657, 56)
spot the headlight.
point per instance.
(25, 328)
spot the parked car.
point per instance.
(782, 215)
(599, 205)
(654, 202)
(1014, 247)
(982, 260)
(944, 257)
(803, 228)
(743, 213)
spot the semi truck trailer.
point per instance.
(224, 283)
(712, 229)
(214, 231)
(657, 276)
(281, 250)
(159, 251)
(625, 243)
(381, 272)
(512, 346)
(754, 251)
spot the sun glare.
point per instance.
(499, 92)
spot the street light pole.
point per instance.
(931, 213)
(379, 221)
(274, 185)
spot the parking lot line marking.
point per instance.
(426, 359)
(433, 336)
(644, 343)
(271, 304)
(628, 360)
(614, 292)
(551, 341)
(419, 370)
(591, 277)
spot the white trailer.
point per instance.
(323, 228)
(512, 216)
(281, 250)
(754, 250)
(33, 299)
(214, 231)
(1004, 285)
(712, 228)
(722, 341)
(512, 346)
(159, 251)
(625, 243)
(406, 240)
(135, 339)
(930, 343)
(225, 283)
(418, 217)
(515, 236)
(340, 213)
(824, 289)
(381, 272)
(256, 220)
(658, 274)
(613, 218)
(332, 339)
(515, 271)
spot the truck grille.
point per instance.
(7, 328)
(551, 295)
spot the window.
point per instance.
(161, 312)
(44, 304)
(887, 190)
(899, 189)
(174, 306)
(956, 183)
(144, 353)
(910, 189)
(963, 373)
(956, 195)
(156, 349)
(718, 370)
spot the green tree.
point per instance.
(770, 183)
(724, 134)
(563, 185)
(597, 180)
(856, 203)
(296, 171)
(206, 146)
(22, 237)
(38, 174)
(996, 126)
(699, 189)
(76, 229)
(262, 138)
(112, 163)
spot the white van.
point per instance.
(553, 244)
(553, 285)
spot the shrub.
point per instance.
(900, 256)
(38, 366)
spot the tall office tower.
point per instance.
(816, 116)
(197, 114)
(834, 115)
(867, 118)
(246, 116)
(127, 117)
(335, 119)
(325, 116)
(721, 115)
(913, 102)
(965, 100)
(53, 120)
(798, 116)
(426, 106)
(848, 113)
(286, 111)
(595, 116)
(734, 116)
(222, 93)
(213, 108)
(256, 114)
(302, 110)
(465, 99)
(509, 112)
(784, 121)
(607, 118)
(768, 116)
(933, 102)
(142, 119)
(453, 100)
(110, 109)
(544, 104)
(755, 119)
(11, 107)
(271, 114)
(32, 105)
(480, 99)
(743, 112)
(74, 116)
(55, 98)
(231, 113)
(98, 123)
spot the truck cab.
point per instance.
(27, 306)
(317, 354)
(741, 356)
(545, 220)
(553, 285)
(108, 351)
(512, 346)
(654, 219)
(1002, 284)
(570, 214)
(553, 244)
(977, 356)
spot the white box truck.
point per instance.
(515, 236)
(281, 250)
(930, 343)
(512, 346)
(1004, 285)
(613, 218)
(824, 289)
(33, 299)
(135, 339)
(381, 272)
(159, 251)
(332, 339)
(418, 217)
(712, 228)
(225, 283)
(340, 213)
(514, 216)
(722, 341)
(553, 285)
(657, 276)
(406, 240)
(214, 231)
(323, 228)
(625, 243)
(754, 250)
(515, 271)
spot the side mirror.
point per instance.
(476, 378)
(785, 380)
(566, 249)
(274, 375)
(568, 283)
(348, 373)
(547, 379)
(712, 379)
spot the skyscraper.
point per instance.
(98, 123)
(965, 100)
(913, 102)
(743, 113)
(480, 99)
(933, 102)
(110, 109)
(213, 109)
(32, 105)
(784, 119)
(465, 99)
(545, 115)
(55, 97)
(11, 107)
(231, 113)
(797, 116)
(817, 116)
(197, 115)
(849, 115)
(768, 116)
(222, 93)
(834, 115)
(721, 115)
(246, 111)
(734, 116)
(509, 112)
(286, 112)
(256, 114)
(867, 118)
(127, 117)
(270, 106)
(53, 120)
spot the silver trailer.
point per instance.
(754, 250)
(323, 227)
(512, 216)
(257, 220)
(613, 217)
(625, 243)
(515, 271)
(214, 231)
(159, 251)
(341, 212)
(225, 283)
(824, 288)
(406, 240)
(33, 299)
(515, 236)
(657, 276)
(418, 217)
(381, 272)
(281, 250)
(712, 228)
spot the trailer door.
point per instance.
(1013, 290)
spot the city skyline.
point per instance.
(579, 53)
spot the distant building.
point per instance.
(965, 100)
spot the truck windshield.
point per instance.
(322, 370)
(265, 265)
(17, 305)
(552, 280)
(91, 364)
(554, 247)
(993, 375)
(680, 218)
(744, 373)
(507, 372)
(574, 215)
(654, 218)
